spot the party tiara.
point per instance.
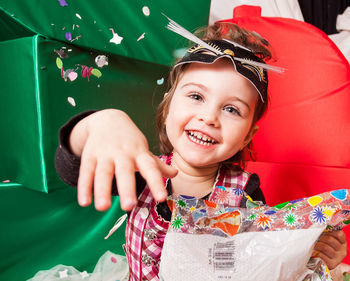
(175, 27)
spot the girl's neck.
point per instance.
(192, 181)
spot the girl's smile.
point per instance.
(201, 138)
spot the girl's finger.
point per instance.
(151, 172)
(85, 180)
(325, 249)
(339, 235)
(125, 176)
(104, 174)
(330, 240)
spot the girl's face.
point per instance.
(211, 113)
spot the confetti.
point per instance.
(63, 3)
(68, 36)
(72, 75)
(78, 16)
(146, 11)
(71, 101)
(116, 39)
(160, 81)
(113, 259)
(61, 53)
(69, 74)
(86, 71)
(141, 37)
(101, 60)
(96, 73)
(59, 63)
(6, 181)
(76, 38)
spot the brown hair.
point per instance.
(218, 31)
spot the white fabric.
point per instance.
(110, 267)
(223, 9)
(342, 39)
(274, 255)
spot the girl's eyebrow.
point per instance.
(195, 84)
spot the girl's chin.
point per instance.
(198, 162)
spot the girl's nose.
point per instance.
(209, 116)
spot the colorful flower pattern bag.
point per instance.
(209, 241)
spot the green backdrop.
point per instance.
(41, 223)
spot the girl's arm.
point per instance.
(109, 144)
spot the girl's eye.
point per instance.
(196, 96)
(232, 109)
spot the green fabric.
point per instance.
(42, 230)
(11, 28)
(34, 103)
(125, 17)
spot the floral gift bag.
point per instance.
(209, 241)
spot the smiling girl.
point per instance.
(205, 121)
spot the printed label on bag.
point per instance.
(222, 259)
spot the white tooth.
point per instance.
(204, 138)
(201, 142)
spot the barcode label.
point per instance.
(224, 256)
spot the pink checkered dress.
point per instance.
(146, 230)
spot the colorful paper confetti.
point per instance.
(71, 101)
(68, 36)
(59, 63)
(116, 39)
(61, 53)
(63, 3)
(101, 60)
(146, 11)
(96, 72)
(78, 16)
(160, 81)
(86, 71)
(141, 37)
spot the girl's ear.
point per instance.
(250, 135)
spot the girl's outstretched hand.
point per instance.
(332, 248)
(109, 144)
